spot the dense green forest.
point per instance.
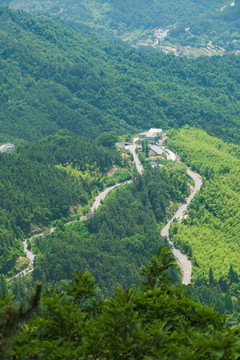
(206, 21)
(151, 321)
(35, 190)
(64, 95)
(115, 241)
(210, 234)
(53, 78)
(220, 28)
(119, 15)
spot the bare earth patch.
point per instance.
(112, 170)
(21, 263)
(157, 157)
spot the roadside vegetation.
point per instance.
(55, 178)
(120, 235)
(210, 233)
(66, 98)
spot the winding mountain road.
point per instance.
(97, 202)
(182, 259)
(102, 195)
(185, 264)
(160, 151)
(132, 149)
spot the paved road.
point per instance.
(182, 259)
(170, 155)
(132, 149)
(30, 255)
(102, 195)
(160, 151)
(97, 202)
(184, 263)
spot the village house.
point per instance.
(152, 135)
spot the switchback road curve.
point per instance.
(185, 264)
(97, 202)
(182, 259)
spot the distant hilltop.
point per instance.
(7, 148)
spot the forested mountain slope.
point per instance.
(117, 240)
(36, 189)
(210, 233)
(151, 321)
(119, 15)
(53, 78)
(190, 23)
(216, 210)
(112, 243)
(219, 28)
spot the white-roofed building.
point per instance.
(153, 134)
(7, 148)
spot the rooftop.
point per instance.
(153, 132)
(7, 148)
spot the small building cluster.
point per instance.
(155, 165)
(9, 148)
(160, 34)
(152, 135)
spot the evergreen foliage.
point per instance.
(212, 227)
(53, 78)
(151, 321)
(116, 240)
(215, 20)
(36, 190)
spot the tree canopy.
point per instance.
(41, 182)
(53, 78)
(210, 233)
(153, 320)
